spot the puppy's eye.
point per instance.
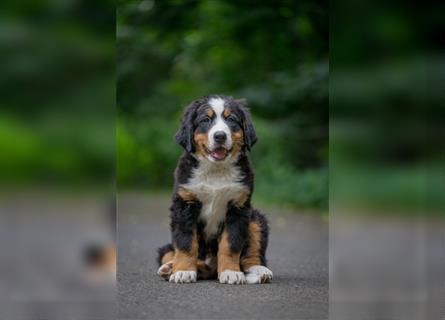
(232, 119)
(205, 120)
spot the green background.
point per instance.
(273, 53)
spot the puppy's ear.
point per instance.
(249, 131)
(184, 136)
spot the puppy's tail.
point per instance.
(165, 253)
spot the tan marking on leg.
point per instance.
(186, 195)
(242, 198)
(227, 259)
(168, 257)
(186, 260)
(252, 257)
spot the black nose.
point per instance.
(220, 136)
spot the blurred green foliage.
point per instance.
(273, 53)
(57, 111)
(387, 109)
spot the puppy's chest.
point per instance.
(215, 189)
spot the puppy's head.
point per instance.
(216, 128)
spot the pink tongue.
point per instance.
(219, 153)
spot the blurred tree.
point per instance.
(274, 53)
(57, 111)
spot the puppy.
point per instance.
(215, 231)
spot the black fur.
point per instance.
(248, 176)
(237, 223)
(184, 217)
(184, 136)
(203, 246)
(184, 169)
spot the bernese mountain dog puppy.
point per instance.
(215, 231)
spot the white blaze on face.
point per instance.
(217, 105)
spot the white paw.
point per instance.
(183, 277)
(232, 277)
(258, 274)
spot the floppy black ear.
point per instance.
(184, 136)
(249, 131)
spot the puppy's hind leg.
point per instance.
(253, 258)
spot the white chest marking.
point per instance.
(215, 185)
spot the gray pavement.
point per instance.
(297, 254)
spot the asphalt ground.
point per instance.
(297, 255)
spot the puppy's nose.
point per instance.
(220, 137)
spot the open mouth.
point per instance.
(218, 154)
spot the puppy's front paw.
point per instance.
(232, 277)
(183, 277)
(258, 274)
